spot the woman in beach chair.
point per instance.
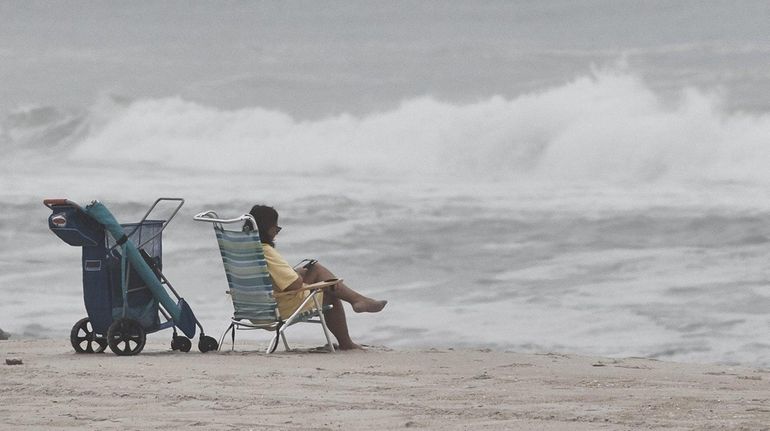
(287, 279)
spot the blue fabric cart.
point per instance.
(124, 291)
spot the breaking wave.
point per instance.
(608, 126)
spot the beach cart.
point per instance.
(125, 293)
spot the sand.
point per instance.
(380, 389)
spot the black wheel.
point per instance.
(126, 337)
(84, 340)
(183, 344)
(207, 344)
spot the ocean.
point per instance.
(583, 177)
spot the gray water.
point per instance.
(527, 176)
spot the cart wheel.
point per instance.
(84, 340)
(207, 344)
(126, 337)
(183, 344)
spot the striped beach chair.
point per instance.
(251, 288)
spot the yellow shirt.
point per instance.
(283, 276)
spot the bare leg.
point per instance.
(337, 323)
(335, 318)
(360, 303)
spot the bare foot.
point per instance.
(351, 346)
(369, 306)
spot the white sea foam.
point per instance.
(606, 127)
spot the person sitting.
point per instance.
(286, 278)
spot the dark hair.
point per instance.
(266, 217)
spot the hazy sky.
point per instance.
(312, 59)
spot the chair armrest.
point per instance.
(315, 286)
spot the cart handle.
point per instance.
(165, 223)
(50, 203)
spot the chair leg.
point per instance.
(285, 344)
(232, 346)
(323, 324)
(273, 344)
(222, 338)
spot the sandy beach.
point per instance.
(54, 388)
